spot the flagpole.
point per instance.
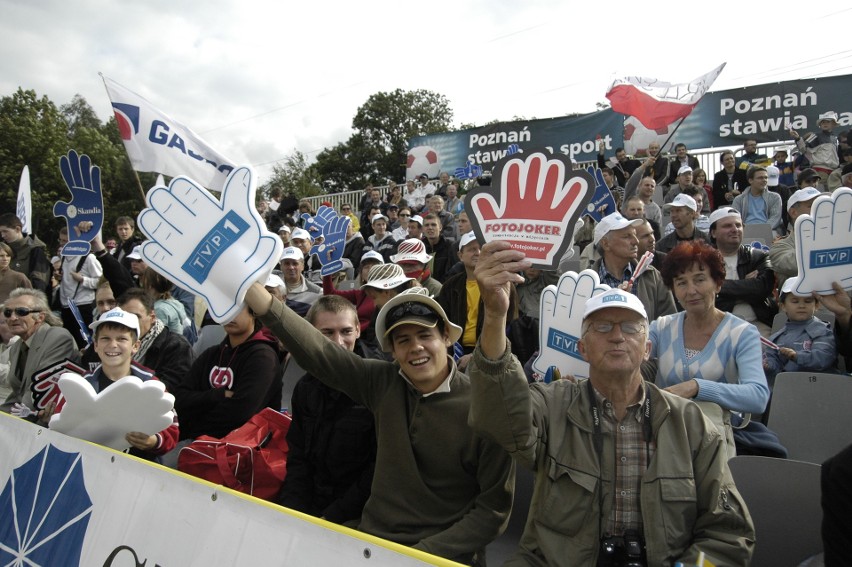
(663, 146)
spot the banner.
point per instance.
(155, 142)
(720, 119)
(67, 502)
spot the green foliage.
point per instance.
(35, 133)
(383, 125)
(294, 176)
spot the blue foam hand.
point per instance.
(216, 249)
(330, 251)
(561, 322)
(86, 205)
(315, 224)
(513, 149)
(469, 171)
(602, 203)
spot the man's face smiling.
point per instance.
(422, 355)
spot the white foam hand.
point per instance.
(129, 404)
(214, 248)
(561, 322)
(824, 244)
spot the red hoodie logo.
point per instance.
(221, 377)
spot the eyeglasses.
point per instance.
(19, 312)
(627, 327)
(404, 215)
(346, 209)
(410, 308)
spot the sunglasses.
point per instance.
(411, 308)
(627, 327)
(19, 311)
(404, 215)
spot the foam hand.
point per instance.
(315, 224)
(129, 404)
(824, 244)
(602, 202)
(561, 322)
(214, 248)
(86, 206)
(533, 204)
(469, 171)
(330, 251)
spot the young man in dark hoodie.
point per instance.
(230, 382)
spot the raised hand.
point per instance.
(824, 244)
(86, 205)
(213, 248)
(561, 322)
(531, 204)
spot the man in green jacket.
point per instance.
(625, 473)
(438, 486)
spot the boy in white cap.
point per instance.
(116, 340)
(609, 453)
(438, 486)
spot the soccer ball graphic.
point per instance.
(637, 137)
(422, 159)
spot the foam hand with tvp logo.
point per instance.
(214, 248)
(561, 322)
(602, 202)
(87, 203)
(533, 202)
(824, 244)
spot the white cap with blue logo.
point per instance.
(614, 298)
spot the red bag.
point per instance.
(251, 459)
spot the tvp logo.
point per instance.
(45, 509)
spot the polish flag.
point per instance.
(656, 104)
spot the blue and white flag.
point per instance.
(25, 202)
(157, 143)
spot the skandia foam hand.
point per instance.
(129, 404)
(533, 203)
(215, 248)
(330, 251)
(602, 202)
(86, 205)
(315, 224)
(824, 244)
(561, 322)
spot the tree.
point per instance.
(295, 177)
(349, 165)
(79, 114)
(388, 120)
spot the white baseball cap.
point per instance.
(378, 217)
(301, 233)
(372, 255)
(614, 221)
(273, 281)
(136, 254)
(412, 307)
(722, 213)
(292, 253)
(466, 239)
(416, 218)
(118, 316)
(614, 298)
(684, 169)
(802, 195)
(682, 200)
(411, 250)
(774, 175)
(284, 228)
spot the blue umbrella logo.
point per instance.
(45, 510)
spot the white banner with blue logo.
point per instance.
(155, 142)
(67, 502)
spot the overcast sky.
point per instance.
(260, 79)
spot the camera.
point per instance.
(623, 551)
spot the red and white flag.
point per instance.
(155, 142)
(656, 104)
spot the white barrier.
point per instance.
(67, 502)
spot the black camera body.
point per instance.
(623, 551)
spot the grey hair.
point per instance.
(39, 301)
